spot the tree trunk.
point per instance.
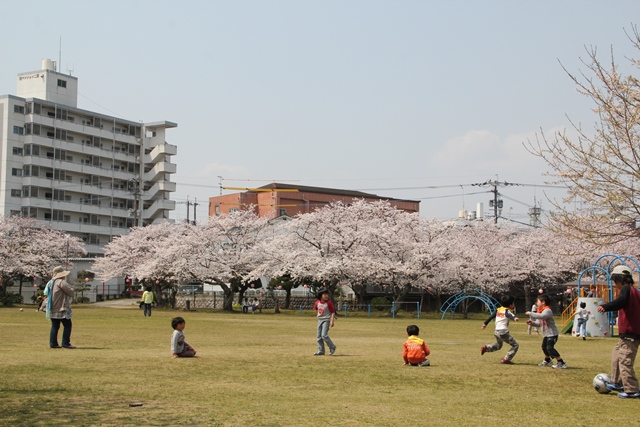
(227, 304)
(400, 292)
(287, 299)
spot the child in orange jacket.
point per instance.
(415, 351)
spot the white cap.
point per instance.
(621, 269)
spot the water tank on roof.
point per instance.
(48, 64)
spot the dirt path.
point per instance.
(118, 303)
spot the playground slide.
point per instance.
(568, 327)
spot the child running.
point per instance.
(415, 351)
(502, 315)
(544, 319)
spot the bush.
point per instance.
(380, 304)
(9, 299)
(81, 300)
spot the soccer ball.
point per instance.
(600, 383)
(22, 309)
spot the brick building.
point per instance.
(275, 200)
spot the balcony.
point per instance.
(156, 207)
(155, 173)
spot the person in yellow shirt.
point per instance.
(147, 300)
(415, 351)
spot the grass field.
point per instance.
(260, 370)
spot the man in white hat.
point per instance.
(59, 308)
(624, 353)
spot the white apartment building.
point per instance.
(86, 173)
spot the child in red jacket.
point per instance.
(415, 351)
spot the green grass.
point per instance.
(260, 370)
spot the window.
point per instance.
(59, 154)
(16, 172)
(62, 83)
(30, 212)
(283, 211)
(30, 128)
(61, 134)
(61, 114)
(31, 170)
(29, 191)
(17, 151)
(18, 109)
(16, 193)
(54, 215)
(18, 130)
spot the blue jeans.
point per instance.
(323, 335)
(66, 333)
(581, 328)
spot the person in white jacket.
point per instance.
(582, 315)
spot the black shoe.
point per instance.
(55, 346)
(69, 346)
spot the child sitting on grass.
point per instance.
(502, 316)
(415, 351)
(179, 347)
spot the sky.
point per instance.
(413, 100)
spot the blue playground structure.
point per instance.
(603, 293)
(452, 302)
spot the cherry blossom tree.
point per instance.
(31, 249)
(150, 254)
(222, 252)
(362, 243)
(600, 167)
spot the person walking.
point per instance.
(59, 295)
(147, 300)
(623, 376)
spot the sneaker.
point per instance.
(614, 387)
(506, 361)
(319, 353)
(69, 346)
(483, 350)
(425, 363)
(560, 365)
(544, 363)
(634, 395)
(332, 350)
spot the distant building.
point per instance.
(85, 173)
(275, 200)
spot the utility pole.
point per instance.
(496, 203)
(188, 204)
(194, 211)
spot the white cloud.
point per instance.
(484, 153)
